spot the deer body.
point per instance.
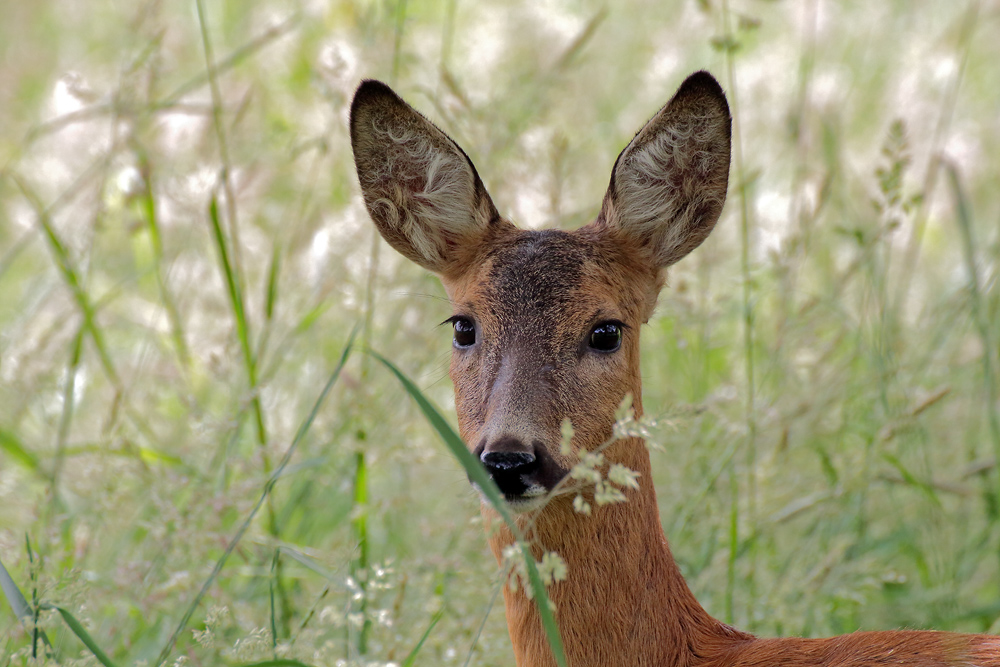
(547, 329)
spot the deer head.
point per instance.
(546, 323)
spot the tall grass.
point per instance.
(184, 256)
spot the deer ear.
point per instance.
(669, 184)
(420, 188)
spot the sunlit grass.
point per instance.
(184, 257)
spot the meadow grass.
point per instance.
(195, 471)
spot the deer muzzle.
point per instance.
(525, 474)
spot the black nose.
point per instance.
(507, 463)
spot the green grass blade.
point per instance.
(10, 444)
(18, 603)
(271, 580)
(82, 634)
(980, 316)
(147, 455)
(581, 40)
(299, 436)
(149, 211)
(359, 564)
(307, 562)
(310, 318)
(272, 283)
(71, 277)
(909, 479)
(427, 633)
(68, 409)
(229, 272)
(477, 473)
(277, 662)
(14, 596)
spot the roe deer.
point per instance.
(546, 328)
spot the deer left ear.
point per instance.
(420, 188)
(669, 184)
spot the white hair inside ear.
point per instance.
(420, 188)
(669, 184)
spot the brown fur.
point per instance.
(534, 297)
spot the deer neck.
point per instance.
(624, 600)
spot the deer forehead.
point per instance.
(553, 280)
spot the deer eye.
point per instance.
(606, 337)
(465, 332)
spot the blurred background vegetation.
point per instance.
(184, 254)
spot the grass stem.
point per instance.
(963, 214)
(750, 414)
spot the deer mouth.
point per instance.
(524, 476)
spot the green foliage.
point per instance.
(184, 257)
(77, 628)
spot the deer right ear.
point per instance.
(669, 184)
(420, 188)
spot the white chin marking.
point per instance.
(534, 491)
(532, 499)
